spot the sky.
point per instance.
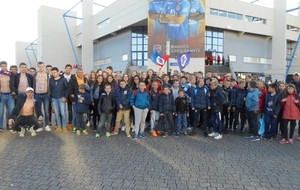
(18, 20)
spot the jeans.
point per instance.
(239, 112)
(43, 98)
(270, 125)
(253, 122)
(202, 113)
(104, 118)
(80, 121)
(216, 121)
(6, 101)
(168, 121)
(60, 109)
(26, 122)
(181, 122)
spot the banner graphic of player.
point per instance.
(182, 22)
(183, 60)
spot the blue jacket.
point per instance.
(123, 98)
(154, 97)
(166, 103)
(58, 88)
(238, 99)
(252, 100)
(272, 104)
(140, 99)
(84, 106)
(200, 99)
(217, 98)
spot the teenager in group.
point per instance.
(227, 114)
(154, 113)
(166, 107)
(238, 106)
(106, 107)
(123, 108)
(271, 111)
(96, 90)
(22, 81)
(252, 107)
(290, 103)
(140, 102)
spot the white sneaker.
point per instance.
(33, 133)
(218, 137)
(40, 129)
(88, 124)
(47, 128)
(123, 128)
(22, 132)
(213, 134)
(12, 131)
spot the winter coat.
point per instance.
(217, 98)
(140, 99)
(83, 107)
(154, 97)
(181, 104)
(106, 103)
(123, 96)
(290, 109)
(200, 99)
(238, 99)
(166, 103)
(275, 107)
(252, 100)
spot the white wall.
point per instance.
(21, 55)
(53, 44)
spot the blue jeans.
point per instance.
(6, 101)
(181, 122)
(270, 120)
(60, 109)
(216, 122)
(44, 99)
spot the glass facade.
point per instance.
(214, 41)
(227, 14)
(139, 46)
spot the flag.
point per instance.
(159, 60)
(183, 60)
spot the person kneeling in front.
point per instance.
(26, 114)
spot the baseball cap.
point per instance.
(29, 89)
(296, 73)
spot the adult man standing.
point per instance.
(59, 93)
(6, 98)
(22, 81)
(41, 87)
(68, 75)
(25, 114)
(74, 83)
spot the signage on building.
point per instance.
(176, 27)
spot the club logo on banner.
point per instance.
(183, 60)
(159, 60)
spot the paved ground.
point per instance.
(65, 161)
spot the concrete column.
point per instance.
(87, 36)
(279, 41)
(299, 9)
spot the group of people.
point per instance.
(168, 104)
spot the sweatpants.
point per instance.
(140, 119)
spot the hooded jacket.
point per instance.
(123, 98)
(252, 100)
(290, 108)
(106, 103)
(217, 98)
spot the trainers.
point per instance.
(135, 136)
(249, 137)
(65, 130)
(218, 137)
(97, 135)
(12, 131)
(298, 138)
(153, 133)
(123, 128)
(107, 134)
(158, 132)
(58, 129)
(114, 133)
(40, 129)
(88, 124)
(84, 132)
(142, 135)
(47, 128)
(165, 134)
(74, 129)
(1, 130)
(128, 135)
(291, 141)
(175, 134)
(213, 134)
(284, 141)
(78, 132)
(33, 133)
(22, 132)
(255, 139)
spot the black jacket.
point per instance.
(166, 103)
(20, 103)
(106, 103)
(73, 88)
(17, 81)
(217, 98)
(182, 105)
(154, 97)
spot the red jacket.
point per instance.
(262, 98)
(290, 109)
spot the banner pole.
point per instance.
(168, 53)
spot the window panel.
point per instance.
(208, 40)
(231, 15)
(223, 13)
(239, 17)
(214, 11)
(209, 33)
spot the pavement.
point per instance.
(58, 161)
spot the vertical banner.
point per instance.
(179, 24)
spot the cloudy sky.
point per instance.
(18, 20)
